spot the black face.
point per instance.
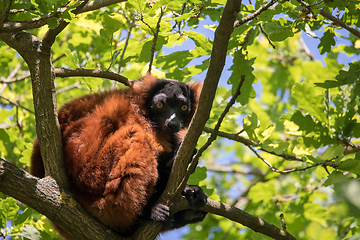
(169, 105)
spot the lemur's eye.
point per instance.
(184, 107)
(159, 105)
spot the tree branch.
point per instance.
(50, 35)
(214, 134)
(44, 99)
(97, 4)
(249, 142)
(59, 206)
(14, 26)
(156, 34)
(80, 72)
(255, 14)
(336, 20)
(324, 164)
(248, 220)
(16, 104)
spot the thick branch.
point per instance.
(63, 72)
(337, 21)
(13, 26)
(248, 220)
(237, 215)
(44, 196)
(44, 99)
(93, 5)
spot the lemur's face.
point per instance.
(169, 105)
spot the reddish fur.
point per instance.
(110, 152)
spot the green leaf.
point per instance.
(309, 100)
(52, 22)
(138, 5)
(277, 148)
(334, 152)
(179, 59)
(350, 76)
(335, 177)
(26, 154)
(349, 165)
(329, 84)
(278, 30)
(24, 217)
(200, 41)
(326, 42)
(197, 176)
(267, 133)
(250, 123)
(111, 23)
(343, 78)
(242, 66)
(8, 210)
(262, 191)
(314, 212)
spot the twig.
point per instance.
(267, 37)
(336, 20)
(3, 80)
(132, 24)
(318, 3)
(255, 223)
(324, 164)
(283, 224)
(5, 17)
(16, 104)
(15, 26)
(152, 30)
(94, 5)
(58, 58)
(15, 11)
(306, 49)
(64, 89)
(63, 72)
(226, 169)
(248, 142)
(13, 73)
(256, 13)
(346, 78)
(50, 35)
(214, 134)
(156, 34)
(178, 15)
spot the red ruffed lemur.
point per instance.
(118, 151)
